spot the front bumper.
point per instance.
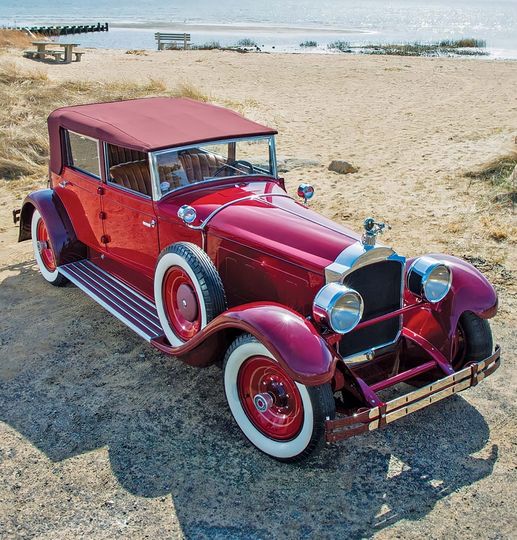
(379, 416)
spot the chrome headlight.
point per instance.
(339, 307)
(429, 278)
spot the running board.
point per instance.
(119, 299)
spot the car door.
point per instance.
(80, 186)
(130, 222)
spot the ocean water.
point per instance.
(278, 25)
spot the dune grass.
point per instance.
(459, 47)
(15, 39)
(246, 42)
(309, 43)
(498, 173)
(208, 46)
(343, 46)
(29, 96)
(463, 43)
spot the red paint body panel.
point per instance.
(292, 340)
(130, 240)
(66, 246)
(271, 252)
(470, 291)
(81, 199)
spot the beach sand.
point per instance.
(108, 438)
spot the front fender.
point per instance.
(67, 248)
(470, 291)
(291, 339)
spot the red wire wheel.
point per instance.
(47, 254)
(270, 398)
(181, 303)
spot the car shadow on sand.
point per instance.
(73, 379)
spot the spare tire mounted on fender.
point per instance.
(187, 290)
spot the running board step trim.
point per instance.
(119, 299)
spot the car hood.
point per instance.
(270, 222)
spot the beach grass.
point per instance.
(498, 173)
(208, 46)
(343, 46)
(463, 43)
(14, 39)
(308, 43)
(246, 42)
(29, 96)
(460, 47)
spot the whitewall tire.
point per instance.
(281, 417)
(44, 252)
(188, 292)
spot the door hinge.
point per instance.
(102, 215)
(105, 239)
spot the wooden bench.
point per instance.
(171, 39)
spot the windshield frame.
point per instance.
(157, 195)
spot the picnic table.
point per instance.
(66, 54)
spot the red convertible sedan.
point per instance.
(171, 215)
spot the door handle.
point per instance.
(151, 224)
(64, 183)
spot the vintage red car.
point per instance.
(171, 215)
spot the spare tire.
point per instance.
(187, 290)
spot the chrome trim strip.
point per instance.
(351, 259)
(141, 298)
(146, 312)
(154, 169)
(356, 256)
(205, 222)
(123, 307)
(315, 221)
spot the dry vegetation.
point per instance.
(29, 97)
(14, 39)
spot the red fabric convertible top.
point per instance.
(149, 124)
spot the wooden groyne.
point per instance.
(62, 30)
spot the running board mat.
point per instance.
(119, 299)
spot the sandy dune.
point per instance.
(101, 436)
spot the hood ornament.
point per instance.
(372, 228)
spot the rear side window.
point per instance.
(83, 154)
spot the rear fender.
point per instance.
(66, 246)
(291, 339)
(470, 291)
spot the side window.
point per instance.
(128, 169)
(83, 154)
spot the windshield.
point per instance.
(236, 158)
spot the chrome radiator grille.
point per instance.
(380, 285)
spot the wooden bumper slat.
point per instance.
(372, 419)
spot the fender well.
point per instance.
(470, 291)
(291, 339)
(64, 241)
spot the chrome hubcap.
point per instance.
(262, 402)
(42, 245)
